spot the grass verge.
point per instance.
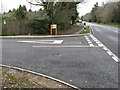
(15, 78)
(85, 31)
(71, 30)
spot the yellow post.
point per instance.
(56, 30)
(51, 30)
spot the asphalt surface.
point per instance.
(74, 61)
(107, 35)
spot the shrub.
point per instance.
(40, 26)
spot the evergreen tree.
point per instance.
(93, 12)
(20, 14)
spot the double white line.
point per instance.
(105, 48)
(88, 40)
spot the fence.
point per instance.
(13, 27)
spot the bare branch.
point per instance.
(38, 3)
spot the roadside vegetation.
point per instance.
(27, 22)
(107, 14)
(15, 79)
(85, 31)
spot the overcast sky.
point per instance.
(86, 6)
(83, 8)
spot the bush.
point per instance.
(40, 26)
(63, 26)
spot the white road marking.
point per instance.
(96, 41)
(100, 44)
(44, 41)
(26, 41)
(69, 46)
(105, 48)
(89, 42)
(58, 42)
(91, 35)
(114, 57)
(91, 45)
(87, 38)
(110, 53)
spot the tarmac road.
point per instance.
(107, 35)
(81, 61)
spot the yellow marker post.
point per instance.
(56, 30)
(50, 29)
(53, 26)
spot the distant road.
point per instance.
(107, 35)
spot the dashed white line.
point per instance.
(114, 57)
(89, 42)
(105, 48)
(100, 44)
(96, 40)
(87, 38)
(110, 53)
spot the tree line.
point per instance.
(107, 13)
(64, 14)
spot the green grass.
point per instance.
(106, 24)
(85, 31)
(79, 24)
(25, 85)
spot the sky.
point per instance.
(87, 6)
(10, 4)
(83, 8)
